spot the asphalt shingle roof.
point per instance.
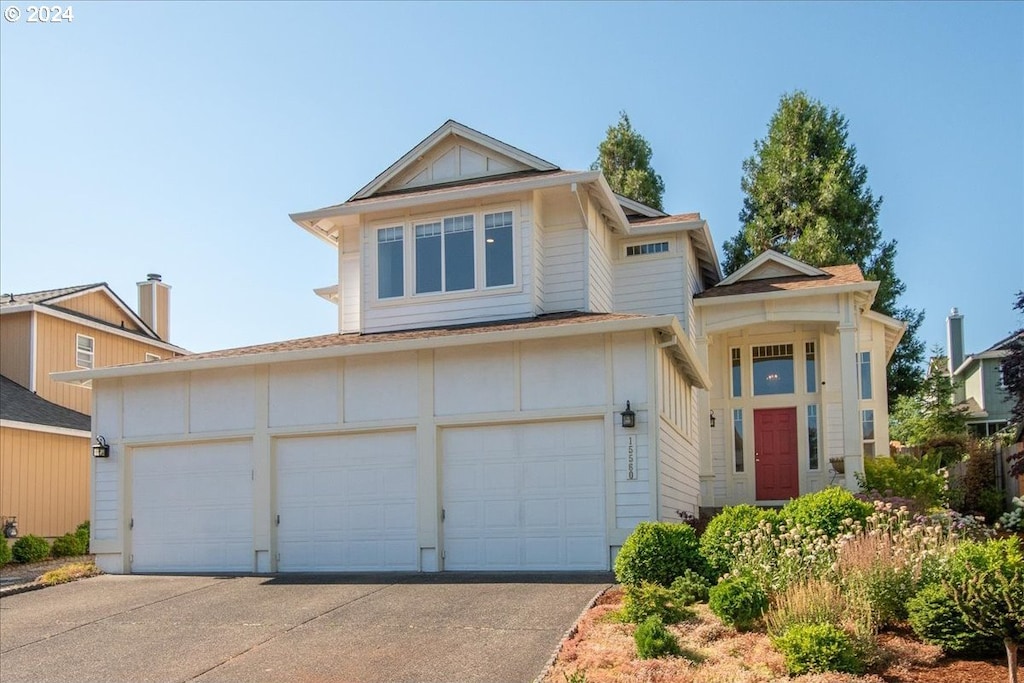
(43, 296)
(21, 405)
(834, 275)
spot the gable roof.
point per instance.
(997, 351)
(51, 298)
(45, 295)
(18, 404)
(771, 263)
(830, 276)
(447, 129)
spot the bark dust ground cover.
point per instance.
(603, 649)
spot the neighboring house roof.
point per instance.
(49, 300)
(832, 276)
(665, 219)
(996, 351)
(331, 345)
(18, 404)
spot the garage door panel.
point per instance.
(542, 502)
(192, 508)
(347, 503)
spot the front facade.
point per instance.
(522, 373)
(45, 431)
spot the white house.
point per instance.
(499, 319)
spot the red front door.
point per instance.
(775, 457)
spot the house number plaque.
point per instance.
(630, 460)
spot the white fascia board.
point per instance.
(642, 209)
(975, 357)
(894, 330)
(110, 329)
(306, 219)
(398, 346)
(47, 429)
(20, 308)
(114, 297)
(613, 202)
(330, 293)
(868, 287)
(450, 127)
(771, 255)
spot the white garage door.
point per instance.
(525, 497)
(347, 503)
(192, 508)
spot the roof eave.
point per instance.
(403, 345)
(868, 287)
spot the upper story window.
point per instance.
(390, 271)
(498, 248)
(864, 368)
(151, 357)
(444, 254)
(773, 369)
(649, 248)
(84, 351)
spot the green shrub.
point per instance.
(5, 552)
(907, 476)
(817, 648)
(738, 601)
(1014, 519)
(651, 600)
(68, 545)
(826, 510)
(82, 531)
(724, 530)
(654, 640)
(30, 549)
(658, 552)
(936, 620)
(690, 588)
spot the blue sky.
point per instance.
(176, 137)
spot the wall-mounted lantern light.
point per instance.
(628, 417)
(100, 449)
(712, 419)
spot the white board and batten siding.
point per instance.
(678, 449)
(293, 439)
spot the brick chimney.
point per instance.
(155, 305)
(955, 340)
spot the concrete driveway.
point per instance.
(444, 627)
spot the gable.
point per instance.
(456, 159)
(99, 305)
(452, 153)
(772, 264)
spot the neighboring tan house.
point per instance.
(45, 425)
(978, 379)
(521, 374)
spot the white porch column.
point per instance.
(852, 449)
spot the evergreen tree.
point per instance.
(806, 196)
(625, 159)
(1012, 367)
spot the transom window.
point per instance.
(649, 248)
(773, 369)
(84, 351)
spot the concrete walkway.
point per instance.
(381, 628)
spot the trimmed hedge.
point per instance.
(658, 552)
(654, 640)
(826, 510)
(738, 601)
(936, 620)
(817, 648)
(725, 529)
(30, 549)
(5, 552)
(68, 545)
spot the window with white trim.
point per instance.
(151, 357)
(498, 249)
(390, 262)
(737, 439)
(812, 437)
(85, 348)
(773, 369)
(444, 255)
(810, 367)
(864, 368)
(648, 248)
(867, 422)
(737, 373)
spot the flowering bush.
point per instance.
(716, 543)
(778, 556)
(1014, 519)
(906, 476)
